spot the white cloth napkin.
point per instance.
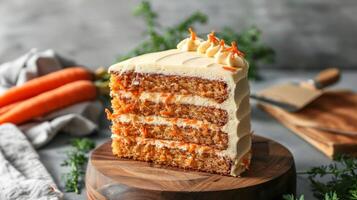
(22, 175)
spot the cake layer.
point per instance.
(242, 127)
(202, 136)
(170, 110)
(176, 156)
(158, 97)
(156, 120)
(200, 81)
(182, 85)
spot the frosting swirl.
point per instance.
(235, 57)
(189, 44)
(203, 47)
(209, 47)
(212, 47)
(221, 56)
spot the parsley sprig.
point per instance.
(341, 181)
(76, 160)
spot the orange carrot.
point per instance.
(6, 108)
(50, 101)
(144, 132)
(44, 83)
(232, 69)
(169, 98)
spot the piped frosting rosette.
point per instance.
(191, 43)
(229, 56)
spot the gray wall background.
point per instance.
(305, 33)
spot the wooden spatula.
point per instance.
(294, 96)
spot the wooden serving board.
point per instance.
(335, 110)
(271, 175)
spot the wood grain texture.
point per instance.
(271, 174)
(335, 110)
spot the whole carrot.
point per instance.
(44, 83)
(8, 107)
(50, 101)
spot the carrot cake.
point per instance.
(186, 107)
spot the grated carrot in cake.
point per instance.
(186, 107)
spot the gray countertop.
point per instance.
(304, 154)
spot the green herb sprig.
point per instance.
(327, 196)
(341, 181)
(76, 160)
(159, 38)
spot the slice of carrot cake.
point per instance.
(186, 107)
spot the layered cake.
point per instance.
(186, 107)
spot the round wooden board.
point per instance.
(271, 174)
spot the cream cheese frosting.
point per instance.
(189, 44)
(235, 57)
(208, 60)
(223, 54)
(209, 47)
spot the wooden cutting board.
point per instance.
(335, 110)
(271, 175)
